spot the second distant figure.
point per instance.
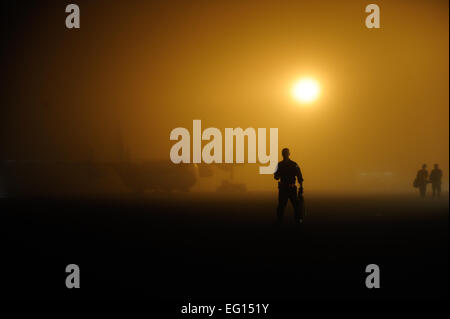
(287, 172)
(436, 180)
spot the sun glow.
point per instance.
(306, 90)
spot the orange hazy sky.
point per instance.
(148, 67)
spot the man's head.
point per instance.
(285, 153)
(436, 166)
(424, 166)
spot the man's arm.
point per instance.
(299, 176)
(276, 175)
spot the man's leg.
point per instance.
(301, 207)
(438, 187)
(433, 188)
(293, 197)
(422, 191)
(282, 201)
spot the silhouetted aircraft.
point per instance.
(22, 178)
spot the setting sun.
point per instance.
(306, 90)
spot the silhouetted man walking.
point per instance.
(436, 180)
(287, 171)
(422, 180)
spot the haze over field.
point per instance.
(144, 68)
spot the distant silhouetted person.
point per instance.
(421, 180)
(287, 171)
(436, 180)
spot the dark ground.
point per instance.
(224, 249)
